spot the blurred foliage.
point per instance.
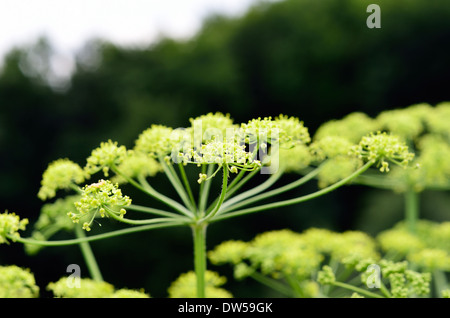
(316, 60)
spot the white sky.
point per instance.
(70, 23)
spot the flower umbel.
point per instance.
(60, 174)
(104, 198)
(381, 148)
(16, 282)
(10, 224)
(103, 157)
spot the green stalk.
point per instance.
(296, 200)
(176, 183)
(254, 191)
(187, 185)
(204, 189)
(149, 210)
(88, 255)
(223, 193)
(440, 282)
(268, 194)
(96, 237)
(411, 209)
(357, 289)
(199, 235)
(155, 194)
(234, 186)
(122, 219)
(273, 284)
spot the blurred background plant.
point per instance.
(314, 60)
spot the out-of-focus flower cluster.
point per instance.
(417, 136)
(185, 286)
(17, 282)
(428, 248)
(294, 257)
(309, 261)
(10, 225)
(75, 287)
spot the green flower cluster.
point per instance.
(10, 224)
(381, 148)
(420, 129)
(135, 165)
(60, 174)
(105, 156)
(71, 287)
(428, 248)
(185, 286)
(17, 282)
(294, 258)
(323, 263)
(102, 198)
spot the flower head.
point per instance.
(224, 153)
(407, 123)
(286, 131)
(438, 119)
(103, 198)
(155, 141)
(17, 282)
(212, 125)
(352, 127)
(294, 159)
(10, 224)
(292, 131)
(60, 174)
(137, 164)
(381, 148)
(185, 286)
(87, 288)
(105, 156)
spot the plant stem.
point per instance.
(145, 209)
(273, 284)
(357, 289)
(440, 282)
(88, 255)
(187, 185)
(268, 194)
(242, 182)
(176, 183)
(112, 214)
(296, 200)
(254, 191)
(97, 237)
(204, 189)
(411, 209)
(155, 194)
(223, 193)
(199, 235)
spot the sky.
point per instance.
(68, 24)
